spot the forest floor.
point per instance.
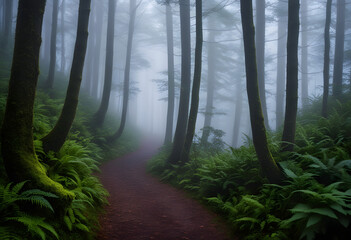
(141, 207)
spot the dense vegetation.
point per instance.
(27, 213)
(312, 202)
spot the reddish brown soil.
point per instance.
(143, 208)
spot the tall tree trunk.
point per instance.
(132, 14)
(268, 165)
(63, 57)
(260, 50)
(211, 78)
(20, 160)
(99, 116)
(237, 114)
(170, 54)
(52, 68)
(292, 77)
(97, 48)
(196, 85)
(304, 52)
(56, 138)
(8, 23)
(179, 135)
(281, 64)
(326, 68)
(339, 49)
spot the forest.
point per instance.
(175, 119)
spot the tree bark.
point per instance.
(304, 53)
(196, 85)
(56, 138)
(99, 116)
(52, 68)
(179, 136)
(260, 50)
(268, 165)
(20, 160)
(339, 49)
(211, 78)
(132, 14)
(7, 23)
(326, 68)
(281, 64)
(170, 54)
(292, 77)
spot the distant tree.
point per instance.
(292, 77)
(196, 85)
(260, 51)
(132, 13)
(170, 55)
(326, 67)
(8, 8)
(304, 52)
(180, 132)
(99, 116)
(63, 30)
(52, 67)
(268, 165)
(20, 160)
(339, 49)
(281, 62)
(56, 138)
(211, 76)
(237, 113)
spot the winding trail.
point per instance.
(143, 208)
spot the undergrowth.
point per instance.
(32, 213)
(314, 201)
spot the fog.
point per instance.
(147, 107)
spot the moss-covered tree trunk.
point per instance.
(99, 116)
(268, 165)
(20, 160)
(132, 13)
(170, 83)
(180, 132)
(52, 67)
(56, 138)
(326, 68)
(291, 77)
(196, 85)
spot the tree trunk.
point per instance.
(268, 165)
(132, 13)
(8, 23)
(179, 136)
(326, 67)
(211, 78)
(304, 53)
(237, 114)
(52, 68)
(339, 49)
(99, 116)
(196, 85)
(63, 57)
(281, 64)
(20, 160)
(97, 48)
(260, 50)
(56, 138)
(292, 77)
(170, 54)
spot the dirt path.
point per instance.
(143, 208)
